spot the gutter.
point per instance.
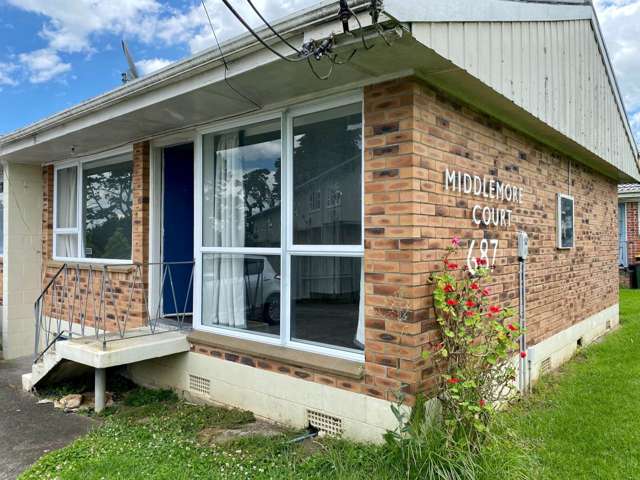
(235, 47)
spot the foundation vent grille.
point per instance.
(608, 325)
(199, 384)
(325, 423)
(545, 366)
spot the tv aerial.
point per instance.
(132, 74)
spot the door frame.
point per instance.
(156, 200)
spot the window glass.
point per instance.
(107, 203)
(67, 245)
(241, 292)
(241, 187)
(325, 301)
(327, 177)
(67, 198)
(565, 222)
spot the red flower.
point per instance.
(470, 303)
(474, 286)
(494, 309)
(455, 241)
(448, 288)
(486, 292)
(482, 403)
(523, 354)
(452, 302)
(489, 315)
(469, 313)
(452, 266)
(440, 345)
(512, 327)
(453, 380)
(481, 261)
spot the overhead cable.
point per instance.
(224, 61)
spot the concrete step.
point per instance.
(40, 369)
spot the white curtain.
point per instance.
(360, 330)
(66, 208)
(224, 280)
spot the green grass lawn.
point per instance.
(581, 423)
(584, 421)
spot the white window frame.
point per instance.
(77, 230)
(560, 197)
(287, 249)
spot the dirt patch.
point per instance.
(219, 436)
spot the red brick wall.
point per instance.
(412, 134)
(77, 287)
(633, 234)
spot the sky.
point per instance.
(57, 53)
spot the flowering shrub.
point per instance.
(474, 357)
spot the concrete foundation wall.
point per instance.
(280, 398)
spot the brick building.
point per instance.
(293, 228)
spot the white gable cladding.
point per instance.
(552, 69)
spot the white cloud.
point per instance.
(620, 22)
(77, 26)
(191, 27)
(6, 74)
(43, 65)
(72, 23)
(151, 65)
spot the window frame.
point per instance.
(77, 230)
(559, 199)
(287, 248)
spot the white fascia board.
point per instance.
(629, 196)
(484, 11)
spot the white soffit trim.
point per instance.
(484, 11)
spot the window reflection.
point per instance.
(325, 301)
(241, 292)
(241, 187)
(107, 202)
(327, 177)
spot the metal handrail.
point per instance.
(92, 299)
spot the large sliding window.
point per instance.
(93, 209)
(282, 246)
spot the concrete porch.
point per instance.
(101, 353)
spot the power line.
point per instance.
(224, 61)
(257, 37)
(272, 29)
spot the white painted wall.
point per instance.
(22, 257)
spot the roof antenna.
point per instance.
(132, 74)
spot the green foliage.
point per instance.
(475, 354)
(144, 396)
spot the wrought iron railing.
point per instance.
(111, 302)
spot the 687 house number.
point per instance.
(485, 251)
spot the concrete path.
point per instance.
(28, 430)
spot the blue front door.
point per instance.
(177, 223)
